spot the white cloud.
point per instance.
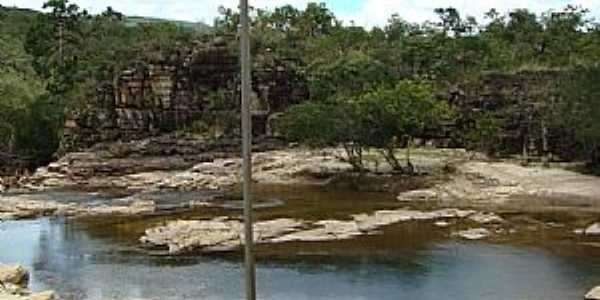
(190, 10)
(372, 12)
(376, 12)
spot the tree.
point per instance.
(349, 74)
(395, 116)
(328, 124)
(581, 110)
(382, 118)
(54, 42)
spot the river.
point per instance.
(94, 260)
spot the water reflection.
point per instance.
(65, 257)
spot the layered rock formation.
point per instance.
(166, 93)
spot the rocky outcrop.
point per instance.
(13, 285)
(195, 164)
(139, 164)
(171, 91)
(226, 235)
(503, 182)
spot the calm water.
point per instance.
(101, 258)
(64, 256)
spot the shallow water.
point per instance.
(101, 259)
(63, 256)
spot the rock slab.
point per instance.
(593, 294)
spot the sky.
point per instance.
(367, 13)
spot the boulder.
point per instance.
(14, 274)
(593, 294)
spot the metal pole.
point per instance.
(247, 150)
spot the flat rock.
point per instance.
(225, 235)
(214, 235)
(419, 195)
(474, 234)
(594, 229)
(7, 216)
(441, 224)
(47, 295)
(486, 218)
(593, 294)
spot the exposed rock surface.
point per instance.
(594, 229)
(138, 164)
(13, 285)
(593, 294)
(168, 91)
(207, 166)
(419, 195)
(503, 182)
(486, 218)
(31, 206)
(474, 234)
(224, 235)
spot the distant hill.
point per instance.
(22, 18)
(135, 20)
(16, 21)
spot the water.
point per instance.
(63, 256)
(101, 259)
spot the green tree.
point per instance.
(349, 74)
(382, 118)
(581, 110)
(395, 116)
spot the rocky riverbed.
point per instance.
(173, 202)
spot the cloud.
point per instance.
(189, 10)
(366, 12)
(377, 12)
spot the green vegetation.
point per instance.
(383, 118)
(370, 87)
(582, 111)
(50, 63)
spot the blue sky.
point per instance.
(363, 12)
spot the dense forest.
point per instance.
(372, 88)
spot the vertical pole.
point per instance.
(246, 150)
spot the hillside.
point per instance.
(198, 26)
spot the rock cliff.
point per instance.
(164, 93)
